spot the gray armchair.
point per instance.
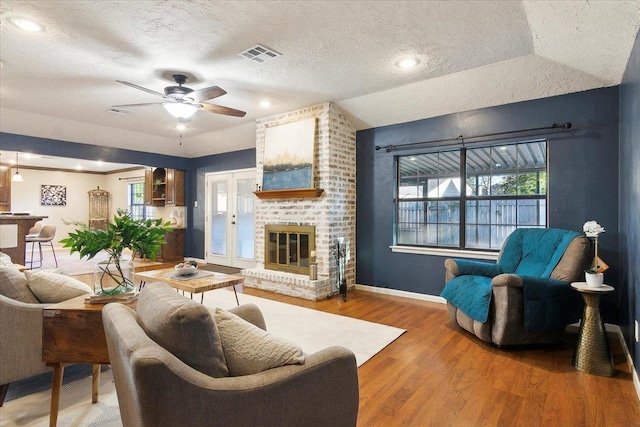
(156, 388)
(524, 298)
(20, 342)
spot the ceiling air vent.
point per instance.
(259, 53)
(116, 110)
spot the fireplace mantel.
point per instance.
(296, 193)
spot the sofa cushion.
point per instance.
(183, 327)
(249, 349)
(13, 284)
(5, 260)
(51, 287)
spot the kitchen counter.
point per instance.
(13, 228)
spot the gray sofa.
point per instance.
(157, 388)
(21, 318)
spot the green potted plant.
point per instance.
(115, 275)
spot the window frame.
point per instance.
(463, 247)
(146, 211)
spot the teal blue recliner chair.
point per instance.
(525, 297)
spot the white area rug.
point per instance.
(311, 329)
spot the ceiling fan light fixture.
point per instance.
(180, 110)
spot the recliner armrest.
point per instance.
(507, 279)
(459, 267)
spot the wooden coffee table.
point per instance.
(200, 282)
(73, 333)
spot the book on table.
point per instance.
(104, 299)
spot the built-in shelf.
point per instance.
(296, 193)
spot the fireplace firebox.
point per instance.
(289, 248)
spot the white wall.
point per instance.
(25, 196)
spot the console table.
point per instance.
(592, 354)
(73, 333)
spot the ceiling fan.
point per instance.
(182, 102)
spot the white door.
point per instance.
(229, 222)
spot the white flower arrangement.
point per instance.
(592, 229)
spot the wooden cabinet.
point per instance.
(5, 188)
(173, 250)
(174, 187)
(164, 187)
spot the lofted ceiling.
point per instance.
(61, 83)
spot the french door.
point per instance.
(229, 221)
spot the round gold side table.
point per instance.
(592, 354)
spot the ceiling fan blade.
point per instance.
(219, 109)
(144, 89)
(137, 105)
(205, 93)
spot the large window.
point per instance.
(470, 198)
(137, 208)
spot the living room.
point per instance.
(591, 166)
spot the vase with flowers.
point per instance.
(594, 276)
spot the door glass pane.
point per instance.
(244, 218)
(219, 213)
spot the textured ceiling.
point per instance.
(61, 83)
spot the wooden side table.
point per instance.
(592, 354)
(73, 333)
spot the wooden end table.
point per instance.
(193, 285)
(592, 354)
(73, 333)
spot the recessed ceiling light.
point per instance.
(407, 63)
(264, 103)
(181, 127)
(78, 167)
(99, 162)
(27, 25)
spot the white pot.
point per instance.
(594, 280)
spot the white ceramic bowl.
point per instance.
(185, 270)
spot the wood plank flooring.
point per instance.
(436, 374)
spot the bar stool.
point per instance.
(46, 235)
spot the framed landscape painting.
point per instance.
(288, 155)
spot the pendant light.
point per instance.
(17, 177)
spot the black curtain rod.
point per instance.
(461, 138)
(131, 178)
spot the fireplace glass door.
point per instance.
(230, 219)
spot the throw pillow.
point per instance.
(5, 260)
(51, 287)
(13, 284)
(249, 349)
(183, 327)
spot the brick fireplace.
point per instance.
(333, 213)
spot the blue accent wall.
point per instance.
(628, 291)
(196, 191)
(583, 181)
(53, 147)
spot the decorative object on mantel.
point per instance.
(594, 276)
(340, 252)
(288, 155)
(115, 275)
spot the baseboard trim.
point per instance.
(634, 373)
(404, 294)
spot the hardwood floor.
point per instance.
(435, 374)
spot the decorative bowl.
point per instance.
(186, 269)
